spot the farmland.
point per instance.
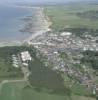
(63, 17)
(22, 91)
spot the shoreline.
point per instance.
(42, 27)
(13, 43)
(45, 27)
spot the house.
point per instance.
(15, 61)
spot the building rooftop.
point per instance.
(66, 33)
(25, 56)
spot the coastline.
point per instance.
(41, 27)
(13, 43)
(45, 26)
(43, 21)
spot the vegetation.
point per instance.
(67, 18)
(22, 91)
(45, 78)
(12, 91)
(90, 58)
(45, 84)
(92, 15)
(81, 32)
(6, 68)
(80, 90)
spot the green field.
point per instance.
(66, 16)
(43, 77)
(21, 91)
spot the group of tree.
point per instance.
(90, 58)
(82, 31)
(92, 15)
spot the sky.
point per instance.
(38, 1)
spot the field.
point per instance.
(21, 91)
(11, 91)
(66, 16)
(45, 79)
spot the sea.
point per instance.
(11, 22)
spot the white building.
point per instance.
(66, 34)
(15, 61)
(26, 56)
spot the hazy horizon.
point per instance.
(42, 1)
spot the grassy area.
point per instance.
(43, 77)
(12, 91)
(75, 87)
(21, 91)
(75, 97)
(80, 90)
(29, 93)
(66, 16)
(6, 68)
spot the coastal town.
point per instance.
(56, 61)
(53, 45)
(62, 51)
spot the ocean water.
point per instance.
(11, 22)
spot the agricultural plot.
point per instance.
(22, 91)
(72, 16)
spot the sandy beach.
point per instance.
(42, 25)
